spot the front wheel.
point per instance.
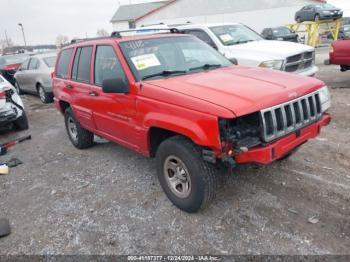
(187, 180)
(80, 137)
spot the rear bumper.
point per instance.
(267, 154)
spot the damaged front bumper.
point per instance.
(7, 116)
(264, 155)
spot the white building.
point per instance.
(257, 14)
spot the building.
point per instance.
(257, 14)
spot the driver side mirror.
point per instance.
(115, 85)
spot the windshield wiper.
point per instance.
(205, 67)
(165, 73)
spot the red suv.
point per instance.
(173, 97)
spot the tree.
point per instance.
(62, 40)
(102, 32)
(6, 43)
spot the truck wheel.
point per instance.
(187, 180)
(45, 97)
(21, 123)
(80, 137)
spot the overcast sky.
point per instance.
(43, 20)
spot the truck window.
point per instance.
(81, 64)
(63, 63)
(107, 65)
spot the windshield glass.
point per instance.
(50, 61)
(235, 34)
(12, 59)
(166, 56)
(325, 6)
(281, 31)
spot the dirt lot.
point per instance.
(107, 200)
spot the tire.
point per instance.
(194, 181)
(317, 17)
(18, 88)
(298, 19)
(21, 123)
(45, 97)
(80, 137)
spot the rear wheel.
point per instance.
(80, 137)
(45, 97)
(187, 180)
(298, 19)
(317, 17)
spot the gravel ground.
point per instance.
(107, 200)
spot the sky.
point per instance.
(43, 20)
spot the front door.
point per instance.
(114, 114)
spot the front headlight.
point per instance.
(325, 99)
(273, 64)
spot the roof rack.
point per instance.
(171, 30)
(116, 34)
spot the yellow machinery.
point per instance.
(313, 29)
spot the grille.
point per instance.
(285, 118)
(299, 62)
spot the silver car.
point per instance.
(34, 76)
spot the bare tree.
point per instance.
(6, 43)
(62, 40)
(102, 32)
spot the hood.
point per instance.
(242, 90)
(268, 49)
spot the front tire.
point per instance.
(45, 97)
(80, 137)
(187, 180)
(21, 123)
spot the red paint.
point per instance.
(340, 52)
(189, 105)
(12, 67)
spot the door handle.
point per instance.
(69, 86)
(93, 93)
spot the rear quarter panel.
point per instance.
(341, 52)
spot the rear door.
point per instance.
(21, 74)
(114, 114)
(31, 75)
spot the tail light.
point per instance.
(2, 95)
(331, 50)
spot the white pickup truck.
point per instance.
(237, 41)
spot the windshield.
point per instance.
(281, 31)
(166, 56)
(325, 6)
(235, 34)
(50, 61)
(12, 59)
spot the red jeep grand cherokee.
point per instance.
(173, 97)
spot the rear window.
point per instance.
(50, 61)
(81, 64)
(63, 63)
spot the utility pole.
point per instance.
(24, 38)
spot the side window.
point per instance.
(25, 64)
(33, 64)
(63, 63)
(81, 64)
(203, 36)
(107, 65)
